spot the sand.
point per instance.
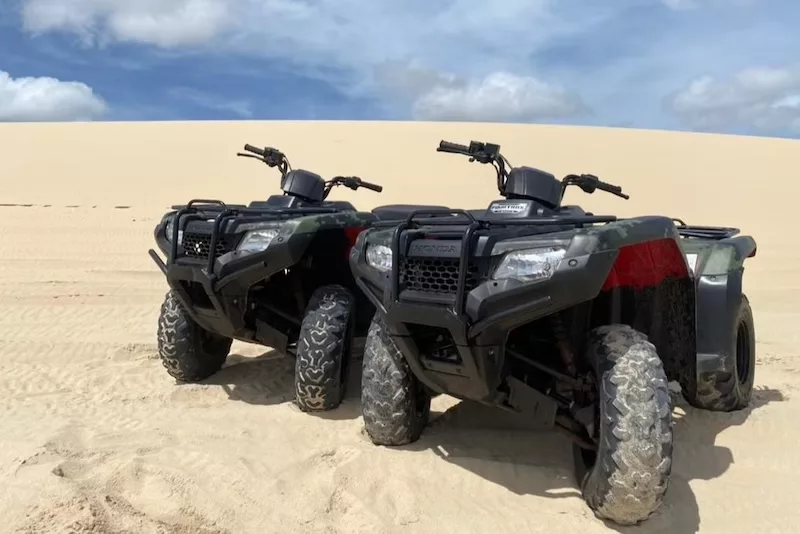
(96, 437)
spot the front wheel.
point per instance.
(626, 478)
(189, 352)
(395, 405)
(323, 349)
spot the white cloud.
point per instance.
(346, 42)
(163, 23)
(461, 60)
(47, 99)
(499, 97)
(762, 98)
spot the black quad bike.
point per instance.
(575, 319)
(273, 273)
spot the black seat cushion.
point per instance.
(401, 211)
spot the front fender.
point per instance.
(287, 248)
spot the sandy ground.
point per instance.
(96, 437)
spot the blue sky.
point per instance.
(730, 66)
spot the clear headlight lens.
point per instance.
(171, 228)
(258, 240)
(530, 264)
(380, 257)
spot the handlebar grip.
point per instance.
(254, 149)
(455, 148)
(374, 187)
(608, 187)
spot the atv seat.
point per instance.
(392, 212)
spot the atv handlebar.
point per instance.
(271, 156)
(589, 183)
(613, 189)
(353, 182)
(482, 153)
(490, 153)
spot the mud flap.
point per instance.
(536, 406)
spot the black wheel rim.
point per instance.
(743, 353)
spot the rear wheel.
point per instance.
(323, 349)
(395, 405)
(724, 391)
(189, 352)
(626, 478)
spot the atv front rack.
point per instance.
(471, 224)
(223, 213)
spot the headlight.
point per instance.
(380, 257)
(530, 264)
(170, 227)
(258, 240)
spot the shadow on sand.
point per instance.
(503, 449)
(268, 379)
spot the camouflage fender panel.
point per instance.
(618, 234)
(311, 224)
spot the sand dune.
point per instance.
(97, 438)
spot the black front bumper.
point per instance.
(214, 289)
(478, 320)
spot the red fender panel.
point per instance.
(647, 264)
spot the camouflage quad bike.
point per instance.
(273, 273)
(577, 320)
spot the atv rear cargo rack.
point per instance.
(472, 225)
(705, 232)
(223, 213)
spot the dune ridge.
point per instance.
(98, 438)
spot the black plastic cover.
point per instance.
(527, 182)
(304, 184)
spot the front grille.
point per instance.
(196, 245)
(438, 275)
